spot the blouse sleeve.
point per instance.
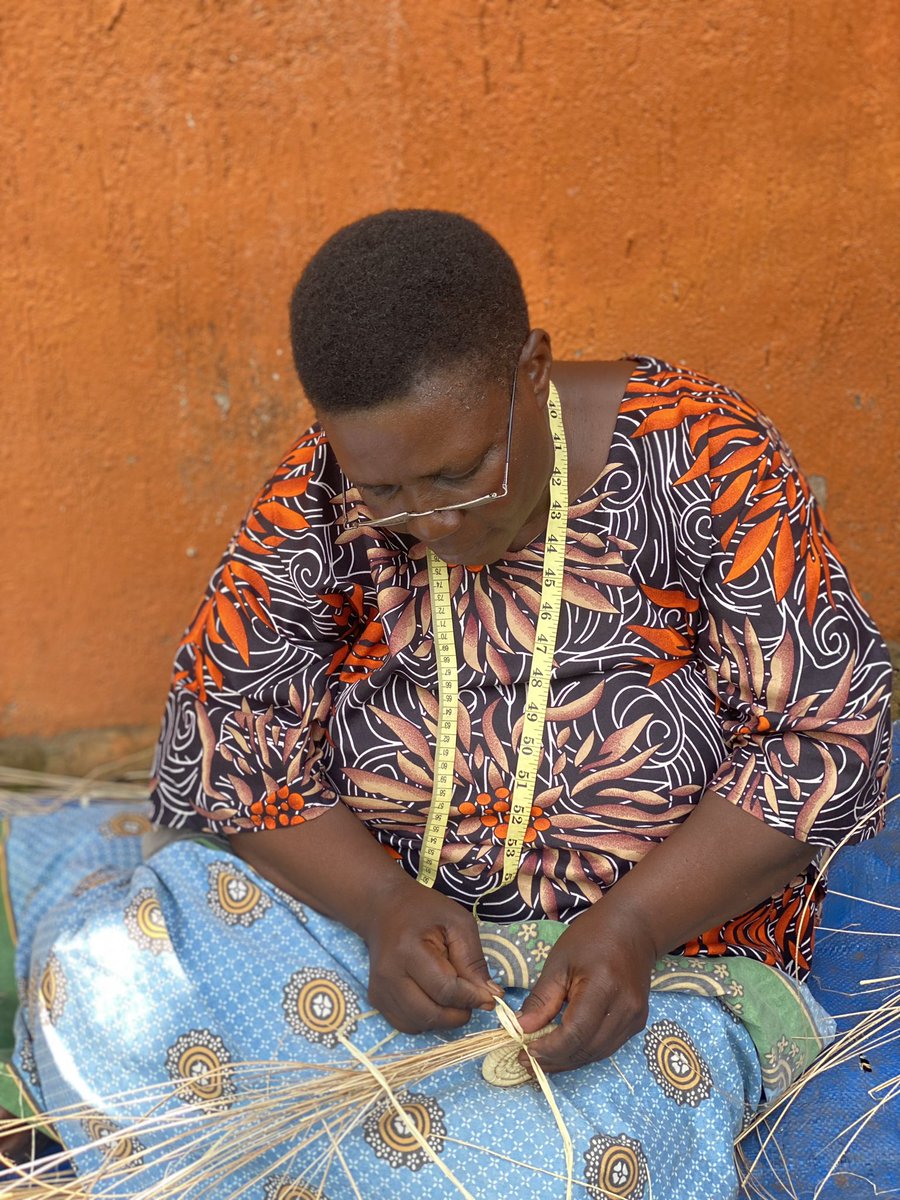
(800, 676)
(243, 742)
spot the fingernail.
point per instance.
(496, 989)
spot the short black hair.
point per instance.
(397, 295)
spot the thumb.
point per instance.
(543, 1002)
(467, 958)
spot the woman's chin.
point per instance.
(491, 547)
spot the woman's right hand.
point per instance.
(426, 966)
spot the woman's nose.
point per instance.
(434, 526)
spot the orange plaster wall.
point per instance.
(715, 182)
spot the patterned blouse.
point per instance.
(709, 639)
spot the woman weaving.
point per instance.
(565, 641)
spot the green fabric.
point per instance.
(769, 1004)
(13, 1097)
(9, 997)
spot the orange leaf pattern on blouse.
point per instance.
(708, 640)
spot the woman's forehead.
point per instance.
(412, 439)
(441, 425)
(464, 385)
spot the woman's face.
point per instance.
(445, 442)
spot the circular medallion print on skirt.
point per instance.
(53, 990)
(145, 922)
(318, 1005)
(282, 1187)
(233, 897)
(200, 1063)
(126, 825)
(615, 1168)
(676, 1065)
(123, 1152)
(391, 1137)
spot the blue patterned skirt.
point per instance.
(167, 999)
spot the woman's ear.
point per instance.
(536, 361)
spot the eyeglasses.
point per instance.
(398, 519)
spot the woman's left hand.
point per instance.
(600, 968)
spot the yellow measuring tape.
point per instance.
(538, 681)
(448, 695)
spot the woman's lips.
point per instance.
(449, 555)
(489, 546)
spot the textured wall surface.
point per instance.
(717, 183)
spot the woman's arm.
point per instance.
(426, 968)
(720, 862)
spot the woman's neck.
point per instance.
(591, 395)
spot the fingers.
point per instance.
(594, 1026)
(467, 958)
(410, 1010)
(543, 1003)
(432, 978)
(427, 968)
(439, 977)
(569, 1046)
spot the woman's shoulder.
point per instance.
(307, 476)
(658, 384)
(693, 412)
(655, 393)
(297, 506)
(309, 455)
(657, 413)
